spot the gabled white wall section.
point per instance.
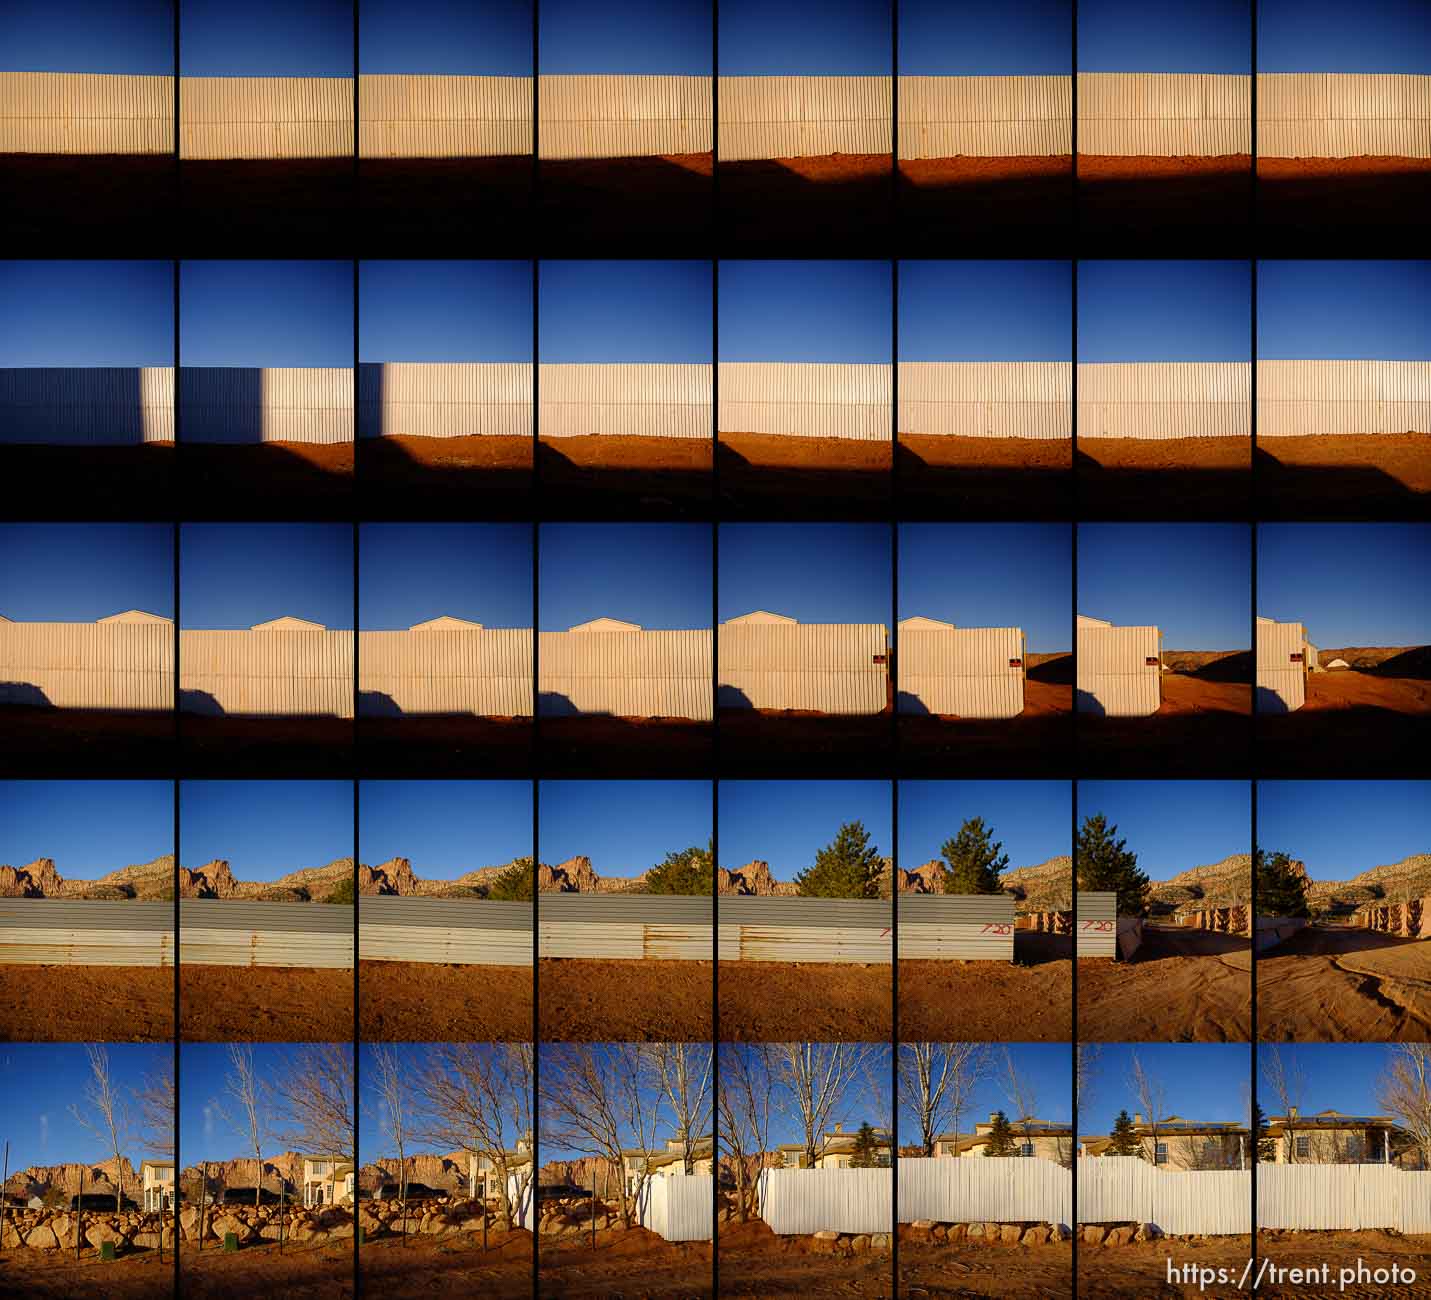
(1284, 657)
(1119, 669)
(608, 666)
(966, 672)
(768, 661)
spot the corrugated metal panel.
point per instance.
(85, 932)
(989, 1191)
(987, 399)
(460, 931)
(665, 673)
(1119, 671)
(782, 928)
(1095, 922)
(1303, 398)
(622, 116)
(1343, 115)
(409, 115)
(107, 406)
(956, 927)
(1165, 399)
(235, 932)
(483, 671)
(678, 1207)
(802, 1201)
(122, 666)
(1281, 666)
(86, 113)
(635, 400)
(806, 399)
(1211, 1202)
(828, 667)
(274, 674)
(265, 117)
(985, 117)
(662, 927)
(1164, 114)
(798, 117)
(423, 399)
(965, 672)
(243, 404)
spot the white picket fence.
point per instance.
(678, 1208)
(1124, 1189)
(1351, 1197)
(802, 1201)
(994, 1191)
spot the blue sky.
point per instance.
(1024, 578)
(785, 823)
(134, 36)
(805, 311)
(43, 1080)
(266, 38)
(1031, 819)
(1164, 311)
(1044, 1068)
(444, 828)
(455, 37)
(236, 575)
(624, 827)
(408, 573)
(86, 313)
(266, 313)
(1174, 825)
(1342, 828)
(1340, 1076)
(625, 311)
(985, 38)
(815, 573)
(1193, 581)
(1333, 36)
(1201, 1081)
(657, 575)
(89, 828)
(265, 829)
(1344, 310)
(653, 36)
(1367, 587)
(444, 311)
(985, 311)
(864, 1100)
(1173, 36)
(762, 38)
(76, 573)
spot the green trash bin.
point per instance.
(230, 1243)
(106, 1250)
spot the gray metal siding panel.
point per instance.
(644, 674)
(244, 404)
(268, 673)
(444, 399)
(471, 932)
(806, 399)
(236, 932)
(1095, 922)
(1165, 399)
(988, 1191)
(85, 932)
(265, 117)
(122, 666)
(87, 405)
(804, 1201)
(1343, 115)
(794, 117)
(782, 928)
(482, 671)
(985, 117)
(632, 400)
(1311, 398)
(955, 927)
(963, 672)
(827, 667)
(657, 926)
(1281, 680)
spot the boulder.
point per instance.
(1036, 1236)
(1093, 1234)
(859, 1243)
(1119, 1237)
(98, 1233)
(147, 1239)
(992, 1231)
(1010, 1233)
(956, 1232)
(974, 1232)
(42, 1237)
(879, 1241)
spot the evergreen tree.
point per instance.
(1104, 864)
(866, 1154)
(1266, 1146)
(689, 871)
(1280, 890)
(847, 868)
(1001, 1137)
(973, 860)
(515, 883)
(343, 891)
(1124, 1140)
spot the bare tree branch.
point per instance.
(1152, 1098)
(248, 1095)
(110, 1122)
(817, 1078)
(1284, 1078)
(314, 1089)
(745, 1104)
(157, 1110)
(681, 1074)
(936, 1084)
(1404, 1093)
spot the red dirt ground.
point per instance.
(1141, 1269)
(963, 1270)
(633, 1262)
(948, 1001)
(231, 746)
(1141, 478)
(260, 1004)
(266, 478)
(428, 745)
(1338, 1250)
(301, 206)
(487, 477)
(66, 742)
(824, 1002)
(70, 1004)
(804, 207)
(426, 1002)
(1203, 728)
(633, 747)
(596, 474)
(310, 1273)
(88, 483)
(1345, 984)
(1207, 201)
(648, 1001)
(753, 1261)
(1313, 199)
(996, 200)
(450, 1265)
(779, 742)
(1180, 986)
(57, 1275)
(755, 471)
(472, 200)
(651, 206)
(1352, 476)
(936, 173)
(984, 478)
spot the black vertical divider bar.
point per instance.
(357, 644)
(533, 203)
(892, 670)
(1073, 203)
(174, 542)
(536, 747)
(1074, 1044)
(176, 216)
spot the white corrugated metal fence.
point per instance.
(956, 927)
(1119, 669)
(1325, 1198)
(86, 932)
(1095, 923)
(86, 113)
(802, 1201)
(1164, 114)
(622, 116)
(104, 665)
(987, 399)
(87, 405)
(662, 927)
(1208, 1202)
(807, 399)
(985, 117)
(481, 671)
(785, 928)
(459, 931)
(966, 672)
(796, 117)
(1304, 398)
(1343, 115)
(237, 932)
(644, 673)
(409, 115)
(825, 667)
(430, 399)
(678, 1207)
(625, 400)
(266, 673)
(1165, 399)
(247, 404)
(1281, 666)
(265, 117)
(992, 1191)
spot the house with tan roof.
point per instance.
(484, 1178)
(1332, 1138)
(327, 1180)
(668, 1161)
(1176, 1143)
(835, 1150)
(1041, 1139)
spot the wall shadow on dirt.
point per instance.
(1372, 742)
(1160, 494)
(290, 207)
(573, 491)
(1027, 746)
(1206, 214)
(1234, 667)
(1209, 744)
(119, 205)
(593, 745)
(1161, 945)
(1318, 940)
(1331, 492)
(995, 205)
(245, 746)
(457, 202)
(42, 741)
(244, 481)
(648, 207)
(769, 743)
(967, 492)
(392, 482)
(749, 490)
(765, 208)
(450, 744)
(1309, 204)
(1056, 670)
(88, 483)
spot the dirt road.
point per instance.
(424, 1002)
(823, 1002)
(627, 1001)
(753, 1261)
(945, 1001)
(69, 1004)
(1141, 1269)
(631, 1263)
(1345, 984)
(1180, 986)
(450, 1265)
(963, 1270)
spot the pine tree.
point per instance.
(973, 860)
(343, 891)
(688, 871)
(1104, 864)
(866, 1155)
(1001, 1137)
(514, 884)
(1280, 890)
(1266, 1145)
(1124, 1139)
(847, 868)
